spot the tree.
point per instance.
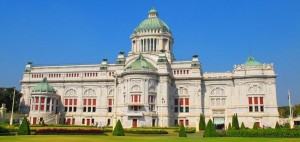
(243, 126)
(277, 125)
(6, 97)
(235, 122)
(182, 132)
(118, 130)
(287, 125)
(24, 129)
(229, 127)
(210, 130)
(202, 124)
(255, 127)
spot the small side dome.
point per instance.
(43, 87)
(141, 64)
(252, 62)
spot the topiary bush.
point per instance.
(202, 124)
(277, 125)
(24, 129)
(210, 130)
(235, 122)
(118, 130)
(229, 127)
(243, 126)
(287, 125)
(182, 132)
(255, 127)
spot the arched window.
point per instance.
(255, 89)
(182, 91)
(90, 92)
(152, 89)
(218, 91)
(136, 88)
(70, 92)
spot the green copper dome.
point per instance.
(44, 86)
(252, 62)
(140, 64)
(153, 22)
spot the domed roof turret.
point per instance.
(152, 22)
(140, 64)
(43, 87)
(252, 62)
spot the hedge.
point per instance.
(3, 130)
(68, 132)
(188, 130)
(145, 131)
(264, 133)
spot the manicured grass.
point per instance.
(85, 138)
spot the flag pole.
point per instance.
(290, 104)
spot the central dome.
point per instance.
(152, 23)
(140, 64)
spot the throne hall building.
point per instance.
(148, 87)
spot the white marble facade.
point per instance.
(175, 92)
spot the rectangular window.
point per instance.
(70, 109)
(37, 100)
(66, 109)
(256, 108)
(250, 100)
(74, 109)
(250, 109)
(175, 102)
(89, 109)
(43, 100)
(109, 109)
(84, 101)
(89, 102)
(186, 101)
(187, 109)
(84, 109)
(255, 100)
(261, 99)
(181, 109)
(176, 109)
(94, 101)
(66, 102)
(75, 102)
(83, 121)
(71, 101)
(42, 107)
(94, 109)
(181, 101)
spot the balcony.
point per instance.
(134, 113)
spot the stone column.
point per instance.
(39, 108)
(51, 104)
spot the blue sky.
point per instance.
(221, 32)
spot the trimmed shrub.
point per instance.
(118, 130)
(68, 132)
(235, 122)
(229, 127)
(182, 132)
(277, 125)
(210, 130)
(243, 126)
(202, 124)
(255, 127)
(287, 125)
(288, 133)
(24, 129)
(188, 130)
(3, 129)
(145, 131)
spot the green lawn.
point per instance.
(86, 138)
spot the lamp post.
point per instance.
(13, 105)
